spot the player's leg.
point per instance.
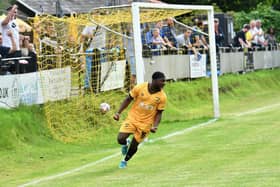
(124, 141)
(122, 138)
(138, 137)
(132, 149)
(126, 129)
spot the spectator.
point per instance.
(149, 34)
(7, 52)
(157, 41)
(219, 35)
(240, 39)
(198, 43)
(260, 34)
(198, 29)
(255, 36)
(270, 37)
(144, 39)
(9, 23)
(169, 33)
(94, 39)
(130, 56)
(184, 40)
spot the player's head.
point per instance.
(158, 80)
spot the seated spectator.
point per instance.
(240, 39)
(271, 38)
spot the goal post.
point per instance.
(140, 70)
(89, 59)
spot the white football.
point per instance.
(104, 107)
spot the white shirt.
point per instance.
(12, 25)
(99, 36)
(182, 41)
(259, 37)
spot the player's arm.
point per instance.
(157, 121)
(123, 106)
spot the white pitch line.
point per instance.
(52, 177)
(261, 109)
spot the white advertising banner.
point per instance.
(56, 84)
(9, 91)
(112, 75)
(27, 88)
(198, 67)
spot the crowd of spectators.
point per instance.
(157, 37)
(17, 53)
(252, 36)
(164, 36)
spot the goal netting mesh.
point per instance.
(89, 59)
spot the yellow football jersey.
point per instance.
(145, 106)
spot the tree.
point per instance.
(268, 16)
(233, 5)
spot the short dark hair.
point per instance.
(9, 8)
(246, 26)
(158, 75)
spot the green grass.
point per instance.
(236, 151)
(231, 152)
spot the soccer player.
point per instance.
(144, 116)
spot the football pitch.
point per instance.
(240, 149)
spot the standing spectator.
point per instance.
(169, 32)
(130, 56)
(9, 23)
(184, 40)
(149, 34)
(199, 28)
(28, 50)
(240, 39)
(260, 34)
(157, 40)
(94, 37)
(270, 37)
(145, 37)
(219, 35)
(198, 43)
(6, 52)
(251, 35)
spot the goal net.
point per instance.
(88, 59)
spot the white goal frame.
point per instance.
(140, 70)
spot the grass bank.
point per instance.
(28, 149)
